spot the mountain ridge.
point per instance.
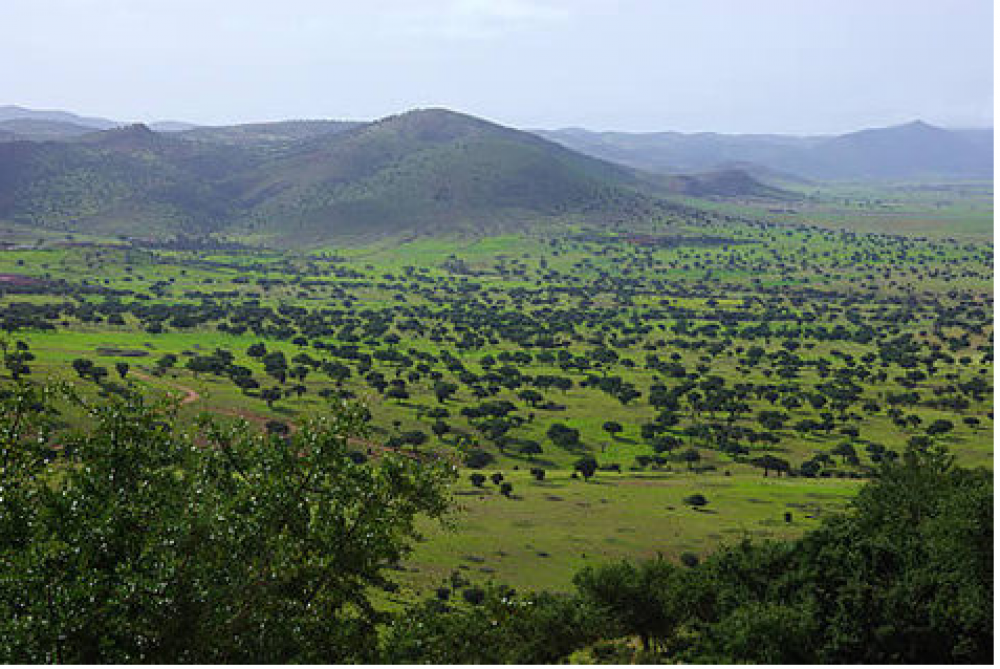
(921, 150)
(425, 170)
(910, 150)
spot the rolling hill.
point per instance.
(433, 170)
(12, 112)
(911, 151)
(423, 171)
(730, 183)
(266, 134)
(42, 129)
(128, 181)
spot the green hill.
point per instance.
(41, 129)
(724, 183)
(911, 151)
(433, 170)
(128, 181)
(421, 172)
(265, 134)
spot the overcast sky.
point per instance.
(789, 66)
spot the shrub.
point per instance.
(477, 458)
(696, 499)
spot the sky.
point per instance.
(746, 66)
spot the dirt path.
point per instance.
(190, 394)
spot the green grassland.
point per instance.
(956, 209)
(739, 317)
(546, 531)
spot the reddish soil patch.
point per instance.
(19, 280)
(190, 394)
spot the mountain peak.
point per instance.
(919, 124)
(437, 124)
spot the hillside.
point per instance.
(423, 171)
(913, 150)
(11, 112)
(434, 170)
(42, 129)
(675, 152)
(128, 181)
(265, 134)
(724, 183)
(909, 151)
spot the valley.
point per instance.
(603, 395)
(506, 332)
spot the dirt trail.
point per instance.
(190, 394)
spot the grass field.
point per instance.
(855, 344)
(961, 209)
(548, 530)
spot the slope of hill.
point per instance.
(10, 112)
(264, 134)
(423, 171)
(434, 169)
(128, 181)
(724, 184)
(909, 151)
(674, 152)
(42, 129)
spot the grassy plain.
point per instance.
(828, 310)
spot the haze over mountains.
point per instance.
(307, 182)
(421, 171)
(910, 151)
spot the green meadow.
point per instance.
(768, 367)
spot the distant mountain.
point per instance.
(264, 134)
(10, 112)
(42, 129)
(423, 171)
(128, 181)
(724, 184)
(979, 137)
(674, 152)
(433, 170)
(910, 151)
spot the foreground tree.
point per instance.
(134, 544)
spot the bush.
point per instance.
(586, 466)
(477, 458)
(689, 559)
(474, 596)
(696, 499)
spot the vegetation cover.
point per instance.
(140, 541)
(137, 542)
(707, 429)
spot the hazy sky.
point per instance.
(794, 66)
